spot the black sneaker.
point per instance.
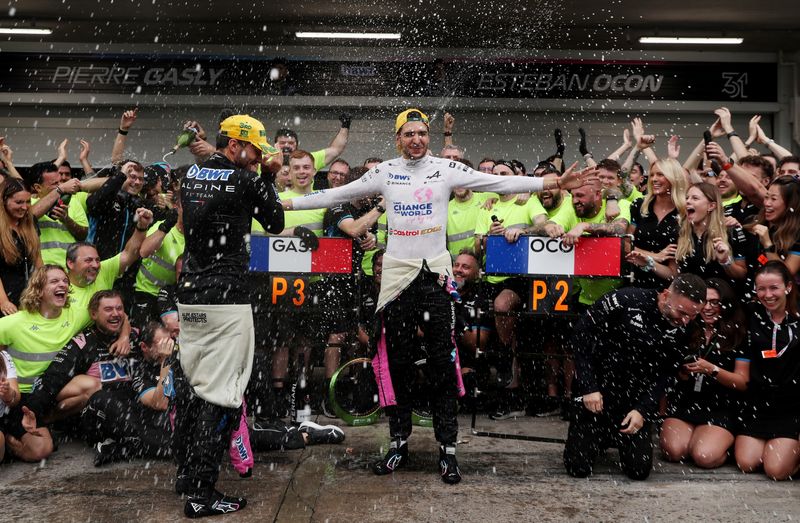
(448, 465)
(217, 505)
(321, 434)
(549, 406)
(275, 435)
(396, 458)
(106, 452)
(507, 412)
(509, 406)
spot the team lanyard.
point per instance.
(768, 354)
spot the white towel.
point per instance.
(399, 273)
(216, 351)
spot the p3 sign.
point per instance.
(551, 296)
(290, 290)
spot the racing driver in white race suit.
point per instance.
(416, 288)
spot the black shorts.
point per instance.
(718, 418)
(520, 286)
(768, 427)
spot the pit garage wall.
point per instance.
(499, 127)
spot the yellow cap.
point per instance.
(246, 128)
(410, 115)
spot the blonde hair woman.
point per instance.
(705, 246)
(655, 223)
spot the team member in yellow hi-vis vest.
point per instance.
(291, 327)
(160, 252)
(508, 218)
(88, 274)
(590, 219)
(463, 212)
(32, 337)
(60, 224)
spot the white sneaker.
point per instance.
(319, 434)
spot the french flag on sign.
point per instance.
(536, 255)
(286, 254)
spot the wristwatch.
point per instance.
(714, 372)
(381, 208)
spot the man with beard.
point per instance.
(589, 218)
(475, 325)
(85, 364)
(627, 346)
(220, 198)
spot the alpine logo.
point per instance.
(205, 173)
(434, 175)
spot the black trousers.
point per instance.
(117, 414)
(427, 305)
(202, 434)
(589, 434)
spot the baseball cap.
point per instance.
(247, 129)
(155, 172)
(410, 115)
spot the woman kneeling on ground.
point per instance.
(770, 413)
(701, 407)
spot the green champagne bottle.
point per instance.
(186, 137)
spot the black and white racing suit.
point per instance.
(219, 203)
(415, 268)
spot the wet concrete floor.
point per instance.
(504, 480)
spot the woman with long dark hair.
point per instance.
(779, 228)
(701, 408)
(770, 412)
(19, 243)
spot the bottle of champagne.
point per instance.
(301, 397)
(62, 201)
(186, 137)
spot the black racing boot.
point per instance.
(216, 505)
(448, 464)
(396, 458)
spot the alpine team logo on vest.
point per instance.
(205, 173)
